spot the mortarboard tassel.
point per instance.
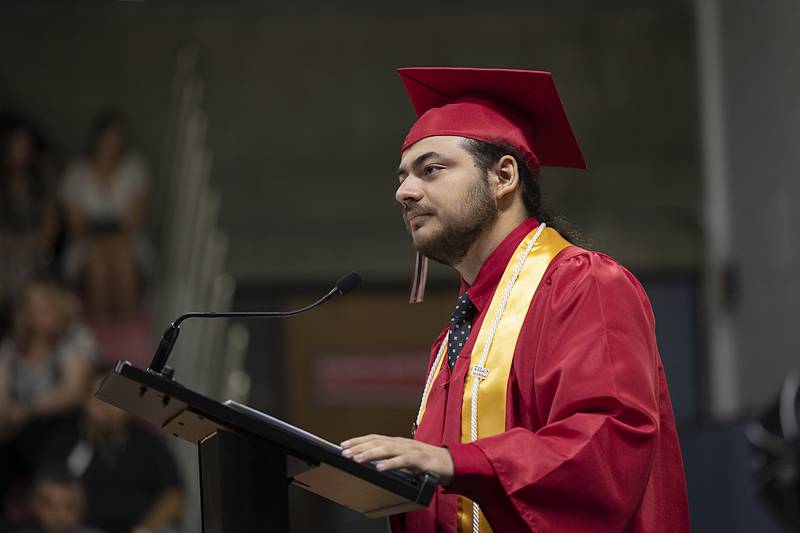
(419, 279)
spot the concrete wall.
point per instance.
(761, 94)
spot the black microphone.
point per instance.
(158, 365)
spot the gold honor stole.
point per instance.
(493, 388)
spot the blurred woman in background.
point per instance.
(46, 363)
(45, 368)
(29, 221)
(105, 195)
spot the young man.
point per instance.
(546, 407)
(58, 504)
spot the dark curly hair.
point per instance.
(486, 155)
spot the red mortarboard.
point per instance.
(520, 107)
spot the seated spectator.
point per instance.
(58, 504)
(105, 195)
(130, 477)
(45, 367)
(45, 364)
(29, 220)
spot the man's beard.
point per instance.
(459, 230)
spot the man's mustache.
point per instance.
(414, 210)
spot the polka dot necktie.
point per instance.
(460, 326)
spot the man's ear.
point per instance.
(507, 175)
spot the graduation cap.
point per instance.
(518, 107)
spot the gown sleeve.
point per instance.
(590, 368)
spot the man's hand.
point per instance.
(397, 452)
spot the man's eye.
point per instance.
(430, 169)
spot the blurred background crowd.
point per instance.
(74, 258)
(161, 157)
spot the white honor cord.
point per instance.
(476, 524)
(442, 350)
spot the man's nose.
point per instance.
(408, 191)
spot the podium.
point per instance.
(248, 458)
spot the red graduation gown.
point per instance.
(590, 441)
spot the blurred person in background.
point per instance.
(29, 217)
(46, 362)
(129, 475)
(105, 197)
(775, 453)
(57, 503)
(45, 367)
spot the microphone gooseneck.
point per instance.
(344, 285)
